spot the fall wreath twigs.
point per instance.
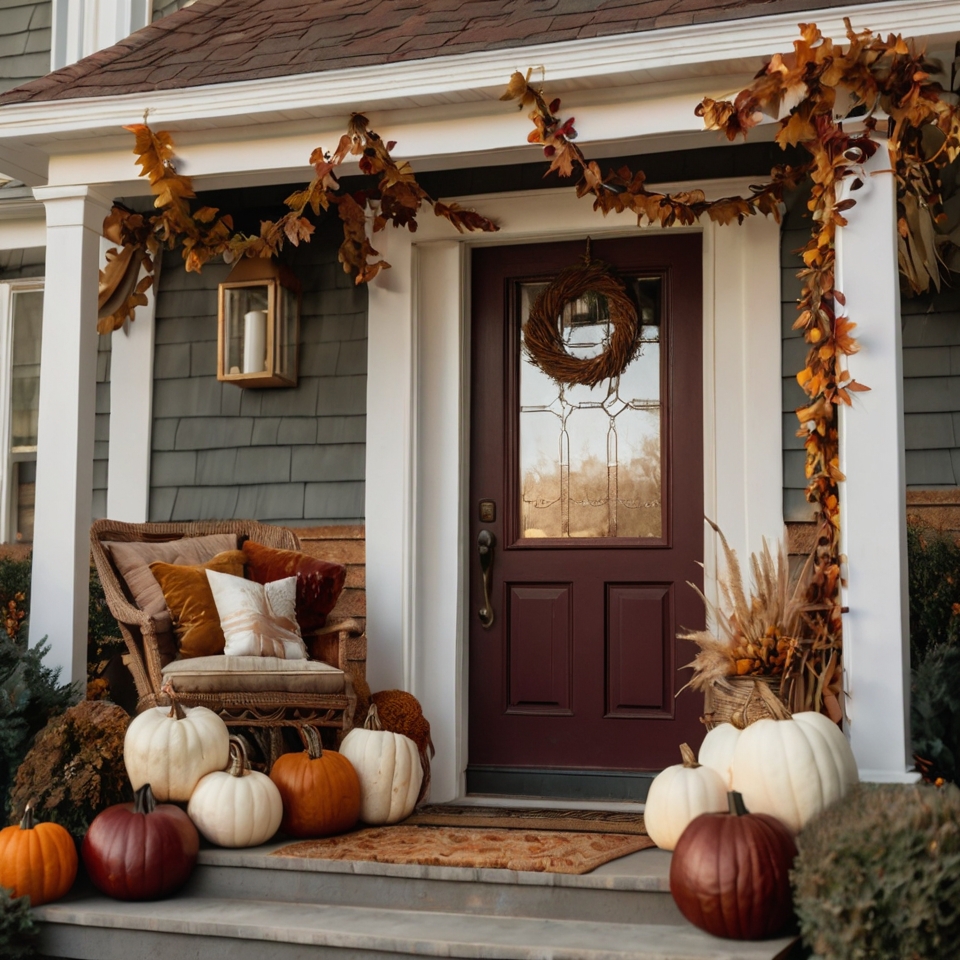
(543, 331)
(205, 233)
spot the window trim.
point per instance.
(8, 458)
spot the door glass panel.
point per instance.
(590, 456)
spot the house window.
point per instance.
(21, 315)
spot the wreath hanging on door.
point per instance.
(543, 331)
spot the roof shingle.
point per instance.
(219, 42)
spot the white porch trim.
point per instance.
(418, 412)
(131, 412)
(68, 373)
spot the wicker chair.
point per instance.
(341, 643)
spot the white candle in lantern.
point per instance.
(254, 341)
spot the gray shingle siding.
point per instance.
(24, 41)
(163, 8)
(931, 387)
(796, 232)
(292, 456)
(931, 378)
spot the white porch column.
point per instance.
(68, 374)
(131, 413)
(388, 510)
(440, 483)
(876, 649)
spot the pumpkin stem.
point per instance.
(143, 800)
(311, 740)
(689, 758)
(176, 711)
(239, 761)
(27, 822)
(373, 719)
(736, 805)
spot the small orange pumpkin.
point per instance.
(37, 860)
(320, 790)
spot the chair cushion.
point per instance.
(133, 560)
(319, 582)
(187, 593)
(258, 620)
(223, 674)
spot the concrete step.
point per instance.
(242, 904)
(89, 927)
(632, 889)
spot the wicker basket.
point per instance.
(742, 701)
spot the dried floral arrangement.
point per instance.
(768, 630)
(75, 767)
(205, 232)
(882, 84)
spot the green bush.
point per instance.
(18, 932)
(934, 577)
(935, 713)
(878, 875)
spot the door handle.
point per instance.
(486, 541)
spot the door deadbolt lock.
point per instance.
(488, 511)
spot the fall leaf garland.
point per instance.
(205, 233)
(806, 92)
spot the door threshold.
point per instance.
(546, 803)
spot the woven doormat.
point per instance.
(552, 851)
(527, 818)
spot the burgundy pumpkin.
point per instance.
(141, 850)
(730, 873)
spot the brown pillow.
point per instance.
(133, 561)
(319, 582)
(187, 592)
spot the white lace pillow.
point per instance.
(258, 620)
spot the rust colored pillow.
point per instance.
(190, 601)
(319, 582)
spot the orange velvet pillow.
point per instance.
(190, 601)
(319, 582)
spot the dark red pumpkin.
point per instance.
(141, 850)
(730, 873)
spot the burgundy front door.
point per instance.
(593, 502)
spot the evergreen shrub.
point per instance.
(878, 875)
(18, 931)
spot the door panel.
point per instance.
(598, 520)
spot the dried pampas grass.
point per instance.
(758, 634)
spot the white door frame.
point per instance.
(418, 409)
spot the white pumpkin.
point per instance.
(793, 769)
(388, 765)
(172, 749)
(717, 748)
(678, 795)
(236, 807)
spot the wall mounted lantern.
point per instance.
(258, 325)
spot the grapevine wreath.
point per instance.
(543, 336)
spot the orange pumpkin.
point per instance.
(320, 790)
(37, 860)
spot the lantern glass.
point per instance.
(246, 310)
